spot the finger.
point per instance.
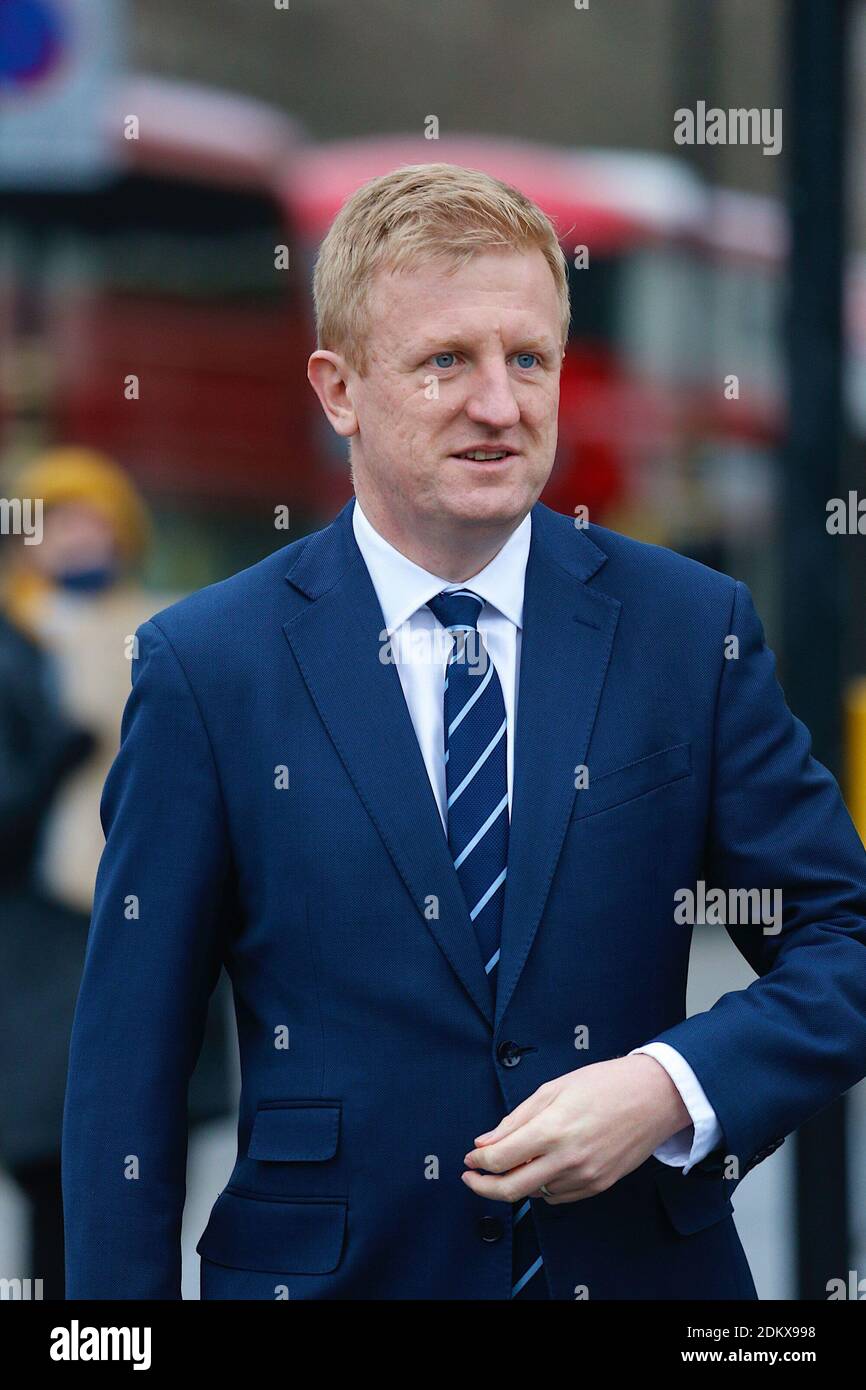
(571, 1194)
(533, 1105)
(555, 1187)
(512, 1186)
(532, 1139)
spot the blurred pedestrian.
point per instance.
(41, 944)
(79, 595)
(74, 602)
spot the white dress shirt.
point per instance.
(420, 655)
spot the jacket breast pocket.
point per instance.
(295, 1131)
(636, 779)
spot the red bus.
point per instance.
(169, 275)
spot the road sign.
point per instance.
(59, 62)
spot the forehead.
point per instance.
(512, 290)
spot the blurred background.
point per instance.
(166, 175)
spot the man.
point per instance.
(432, 782)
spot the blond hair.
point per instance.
(418, 212)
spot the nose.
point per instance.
(491, 400)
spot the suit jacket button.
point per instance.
(509, 1053)
(490, 1228)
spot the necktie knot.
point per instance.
(457, 609)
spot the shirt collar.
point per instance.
(403, 587)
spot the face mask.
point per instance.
(87, 581)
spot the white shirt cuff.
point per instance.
(690, 1145)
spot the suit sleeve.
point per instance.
(153, 956)
(770, 1056)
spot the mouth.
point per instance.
(485, 458)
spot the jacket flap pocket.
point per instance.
(626, 783)
(302, 1236)
(295, 1131)
(692, 1202)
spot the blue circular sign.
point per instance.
(31, 41)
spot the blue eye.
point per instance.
(522, 356)
(444, 365)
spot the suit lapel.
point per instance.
(336, 642)
(568, 632)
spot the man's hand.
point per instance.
(578, 1134)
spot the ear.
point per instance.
(328, 374)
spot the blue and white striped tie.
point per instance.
(476, 779)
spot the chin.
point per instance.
(495, 506)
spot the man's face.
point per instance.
(459, 360)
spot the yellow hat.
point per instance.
(75, 474)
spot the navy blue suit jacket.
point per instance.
(372, 1051)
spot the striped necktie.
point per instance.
(476, 779)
